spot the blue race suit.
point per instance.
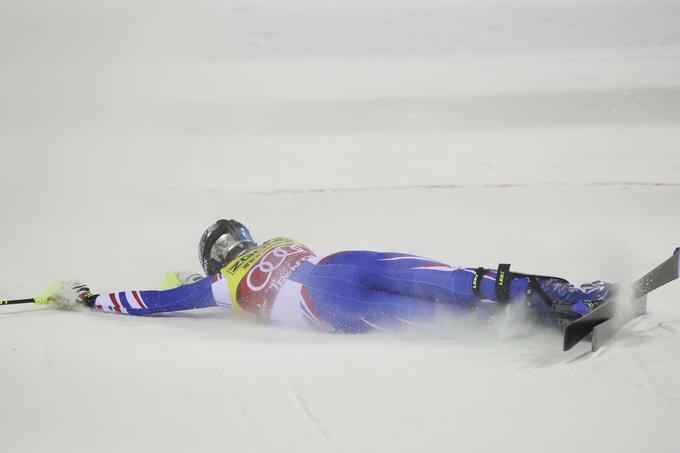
(283, 282)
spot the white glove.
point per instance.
(174, 279)
(187, 277)
(69, 294)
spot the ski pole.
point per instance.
(34, 300)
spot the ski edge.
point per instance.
(605, 331)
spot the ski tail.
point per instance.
(582, 327)
(603, 322)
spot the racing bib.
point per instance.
(255, 278)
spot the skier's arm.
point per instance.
(195, 295)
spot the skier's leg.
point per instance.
(412, 275)
(421, 277)
(345, 305)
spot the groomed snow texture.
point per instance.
(541, 133)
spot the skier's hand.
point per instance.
(174, 279)
(68, 294)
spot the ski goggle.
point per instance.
(228, 247)
(223, 242)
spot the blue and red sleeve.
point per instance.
(187, 297)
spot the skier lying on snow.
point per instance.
(284, 282)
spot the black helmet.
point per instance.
(221, 243)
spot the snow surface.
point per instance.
(541, 133)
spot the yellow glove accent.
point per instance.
(50, 291)
(170, 281)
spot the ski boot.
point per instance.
(568, 303)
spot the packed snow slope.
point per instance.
(541, 133)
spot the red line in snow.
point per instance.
(462, 186)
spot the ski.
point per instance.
(664, 273)
(603, 332)
(604, 321)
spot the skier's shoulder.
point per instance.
(277, 248)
